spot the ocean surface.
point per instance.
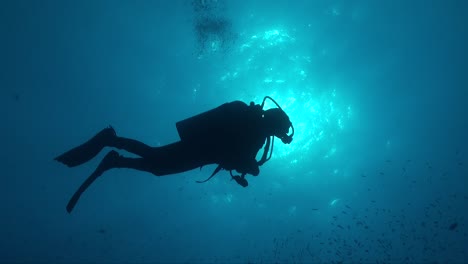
(377, 92)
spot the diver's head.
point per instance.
(277, 123)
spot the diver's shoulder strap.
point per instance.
(266, 149)
(213, 174)
(240, 179)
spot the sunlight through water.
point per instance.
(270, 62)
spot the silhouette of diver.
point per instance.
(229, 135)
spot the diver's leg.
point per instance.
(169, 159)
(141, 164)
(133, 146)
(87, 150)
(157, 167)
(148, 165)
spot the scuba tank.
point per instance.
(209, 125)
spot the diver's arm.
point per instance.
(254, 169)
(250, 164)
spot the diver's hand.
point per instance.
(249, 167)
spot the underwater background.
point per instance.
(376, 90)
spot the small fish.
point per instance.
(340, 226)
(453, 226)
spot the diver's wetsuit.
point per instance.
(229, 135)
(234, 145)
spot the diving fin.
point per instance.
(105, 164)
(76, 196)
(87, 150)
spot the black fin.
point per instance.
(105, 164)
(87, 150)
(76, 196)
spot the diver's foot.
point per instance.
(89, 149)
(107, 134)
(104, 136)
(108, 162)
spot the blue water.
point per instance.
(376, 90)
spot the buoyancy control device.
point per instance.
(212, 125)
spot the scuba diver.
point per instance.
(229, 135)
